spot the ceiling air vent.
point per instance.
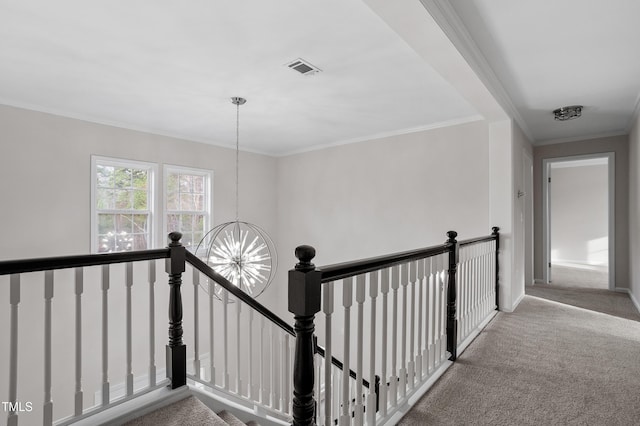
(303, 67)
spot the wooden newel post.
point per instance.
(496, 233)
(304, 303)
(452, 322)
(176, 349)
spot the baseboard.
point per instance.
(634, 300)
(475, 333)
(631, 296)
(517, 302)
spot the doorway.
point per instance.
(579, 221)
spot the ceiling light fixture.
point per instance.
(241, 252)
(567, 112)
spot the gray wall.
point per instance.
(45, 189)
(579, 212)
(386, 195)
(620, 146)
(634, 211)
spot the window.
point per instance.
(187, 203)
(122, 205)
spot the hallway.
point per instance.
(545, 364)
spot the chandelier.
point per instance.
(241, 252)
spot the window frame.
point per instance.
(208, 193)
(152, 199)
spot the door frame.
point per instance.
(546, 210)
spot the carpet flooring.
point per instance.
(586, 276)
(605, 301)
(545, 364)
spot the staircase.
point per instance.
(189, 411)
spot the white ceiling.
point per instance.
(550, 53)
(170, 67)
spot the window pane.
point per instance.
(187, 239)
(198, 184)
(106, 223)
(104, 199)
(198, 223)
(198, 202)
(185, 223)
(122, 199)
(173, 223)
(140, 179)
(140, 200)
(139, 242)
(185, 183)
(172, 192)
(186, 202)
(140, 224)
(123, 178)
(104, 176)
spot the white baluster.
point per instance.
(347, 301)
(105, 335)
(152, 323)
(239, 338)
(384, 388)
(420, 277)
(393, 386)
(413, 273)
(263, 383)
(225, 337)
(437, 310)
(251, 391)
(212, 365)
(287, 374)
(428, 343)
(360, 298)
(272, 367)
(47, 410)
(79, 288)
(443, 304)
(371, 398)
(286, 389)
(14, 301)
(128, 282)
(463, 295)
(327, 308)
(318, 382)
(337, 396)
(404, 282)
(196, 323)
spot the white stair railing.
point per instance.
(437, 297)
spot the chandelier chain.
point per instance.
(237, 159)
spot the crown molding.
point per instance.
(634, 116)
(433, 126)
(580, 138)
(121, 125)
(453, 27)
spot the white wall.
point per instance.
(634, 211)
(579, 192)
(383, 196)
(521, 145)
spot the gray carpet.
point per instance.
(605, 301)
(585, 276)
(187, 412)
(544, 364)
